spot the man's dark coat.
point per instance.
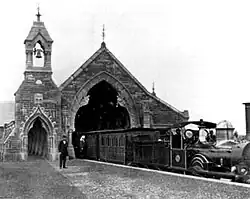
(63, 148)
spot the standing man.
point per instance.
(63, 151)
(82, 147)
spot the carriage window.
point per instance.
(176, 139)
(102, 140)
(108, 141)
(121, 141)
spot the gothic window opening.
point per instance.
(38, 55)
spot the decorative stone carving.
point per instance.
(146, 106)
(121, 101)
(38, 98)
(85, 101)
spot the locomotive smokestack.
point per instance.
(247, 112)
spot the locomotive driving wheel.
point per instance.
(194, 170)
(197, 164)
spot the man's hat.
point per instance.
(64, 136)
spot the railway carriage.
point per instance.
(188, 147)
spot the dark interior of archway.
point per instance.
(102, 111)
(37, 140)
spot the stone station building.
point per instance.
(101, 94)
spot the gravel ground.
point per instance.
(34, 179)
(104, 181)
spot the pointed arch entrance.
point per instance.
(38, 136)
(103, 110)
(38, 139)
(122, 98)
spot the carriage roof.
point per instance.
(200, 123)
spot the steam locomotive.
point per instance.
(187, 147)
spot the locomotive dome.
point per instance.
(224, 124)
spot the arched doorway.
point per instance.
(38, 140)
(124, 98)
(103, 110)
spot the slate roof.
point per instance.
(38, 28)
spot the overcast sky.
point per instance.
(196, 52)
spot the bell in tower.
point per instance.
(38, 55)
(37, 52)
(38, 47)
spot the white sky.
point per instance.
(197, 52)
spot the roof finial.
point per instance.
(153, 89)
(103, 37)
(103, 33)
(38, 13)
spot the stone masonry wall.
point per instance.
(160, 113)
(41, 83)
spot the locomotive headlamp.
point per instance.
(189, 134)
(243, 171)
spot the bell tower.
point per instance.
(38, 99)
(38, 48)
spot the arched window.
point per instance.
(38, 55)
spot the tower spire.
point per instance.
(38, 13)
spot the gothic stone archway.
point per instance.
(103, 110)
(38, 139)
(124, 97)
(38, 129)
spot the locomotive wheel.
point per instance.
(194, 170)
(197, 164)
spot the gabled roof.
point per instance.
(94, 56)
(38, 28)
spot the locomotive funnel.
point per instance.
(247, 112)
